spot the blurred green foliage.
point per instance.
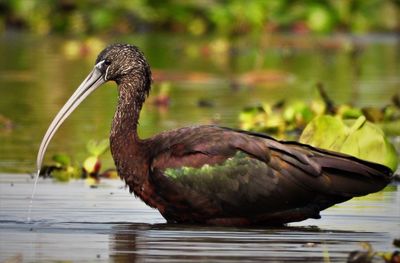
(359, 132)
(199, 16)
(286, 119)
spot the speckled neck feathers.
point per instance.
(133, 88)
(133, 91)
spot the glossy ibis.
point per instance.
(216, 175)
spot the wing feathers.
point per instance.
(265, 175)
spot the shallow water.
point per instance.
(73, 222)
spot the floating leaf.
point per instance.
(358, 138)
(325, 132)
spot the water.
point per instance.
(73, 222)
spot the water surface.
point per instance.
(73, 222)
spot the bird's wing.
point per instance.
(345, 174)
(242, 172)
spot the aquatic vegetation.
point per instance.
(97, 148)
(281, 118)
(369, 255)
(360, 132)
(286, 116)
(91, 165)
(62, 168)
(359, 138)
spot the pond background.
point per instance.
(37, 76)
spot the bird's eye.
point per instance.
(107, 62)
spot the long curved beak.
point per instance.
(93, 81)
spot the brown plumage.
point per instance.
(217, 175)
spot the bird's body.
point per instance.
(216, 175)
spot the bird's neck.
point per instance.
(132, 94)
(124, 140)
(126, 146)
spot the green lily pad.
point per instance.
(359, 138)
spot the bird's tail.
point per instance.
(348, 175)
(354, 177)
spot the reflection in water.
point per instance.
(139, 242)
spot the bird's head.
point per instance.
(118, 61)
(115, 63)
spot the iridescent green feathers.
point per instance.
(239, 177)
